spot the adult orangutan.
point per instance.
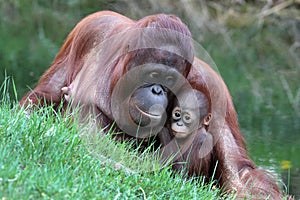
(225, 158)
(119, 70)
(124, 71)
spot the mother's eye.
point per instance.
(154, 75)
(170, 80)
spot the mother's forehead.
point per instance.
(190, 95)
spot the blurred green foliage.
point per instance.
(32, 32)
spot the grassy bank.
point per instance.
(47, 156)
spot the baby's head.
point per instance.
(191, 112)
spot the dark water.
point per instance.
(278, 152)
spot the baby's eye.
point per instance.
(187, 119)
(176, 114)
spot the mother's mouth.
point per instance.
(150, 115)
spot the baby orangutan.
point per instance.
(187, 137)
(185, 120)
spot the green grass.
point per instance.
(48, 156)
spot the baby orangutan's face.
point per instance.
(184, 122)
